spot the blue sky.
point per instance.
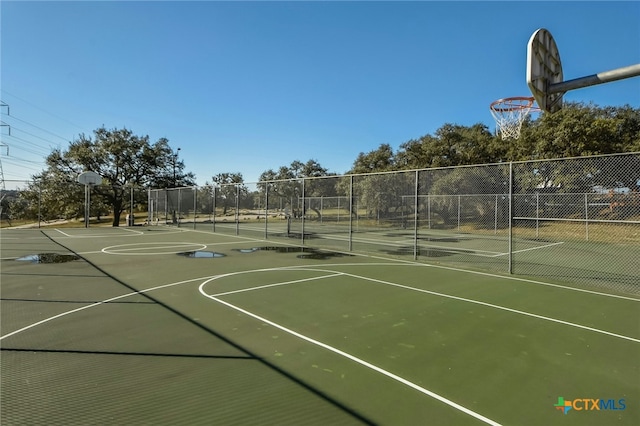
(250, 86)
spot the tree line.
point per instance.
(127, 161)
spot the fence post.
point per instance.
(458, 212)
(195, 205)
(132, 222)
(511, 217)
(179, 205)
(39, 203)
(415, 219)
(266, 210)
(495, 217)
(537, 213)
(213, 220)
(429, 210)
(303, 213)
(586, 215)
(237, 209)
(351, 214)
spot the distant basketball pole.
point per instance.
(88, 179)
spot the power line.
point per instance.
(10, 160)
(13, 117)
(35, 136)
(42, 109)
(43, 151)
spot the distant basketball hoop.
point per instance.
(89, 179)
(545, 79)
(510, 113)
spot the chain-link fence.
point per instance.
(571, 220)
(30, 204)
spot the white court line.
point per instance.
(93, 305)
(119, 250)
(279, 284)
(430, 265)
(357, 360)
(486, 274)
(365, 363)
(401, 243)
(306, 267)
(375, 368)
(531, 248)
(466, 251)
(491, 305)
(434, 293)
(113, 234)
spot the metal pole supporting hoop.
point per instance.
(510, 113)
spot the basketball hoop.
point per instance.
(510, 113)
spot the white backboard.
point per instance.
(89, 178)
(543, 69)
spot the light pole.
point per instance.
(175, 161)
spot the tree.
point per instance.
(123, 159)
(470, 191)
(378, 160)
(171, 173)
(286, 183)
(579, 130)
(452, 145)
(230, 189)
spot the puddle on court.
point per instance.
(306, 252)
(440, 239)
(49, 258)
(321, 255)
(426, 252)
(249, 250)
(297, 235)
(201, 254)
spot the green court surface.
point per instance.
(161, 325)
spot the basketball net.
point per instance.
(510, 113)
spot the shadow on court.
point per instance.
(133, 360)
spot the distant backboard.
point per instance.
(544, 69)
(89, 178)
